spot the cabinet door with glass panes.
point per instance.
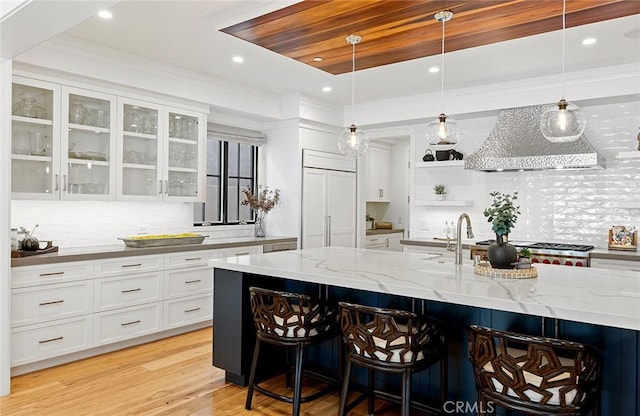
(35, 139)
(184, 155)
(88, 159)
(140, 151)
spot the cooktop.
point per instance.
(543, 246)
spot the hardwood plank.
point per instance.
(170, 377)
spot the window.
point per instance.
(231, 167)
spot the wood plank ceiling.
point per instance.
(399, 30)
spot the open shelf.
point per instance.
(441, 164)
(633, 154)
(453, 203)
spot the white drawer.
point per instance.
(127, 265)
(189, 258)
(45, 303)
(185, 311)
(127, 323)
(122, 291)
(630, 265)
(239, 251)
(51, 273)
(185, 282)
(38, 342)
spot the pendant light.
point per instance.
(443, 132)
(567, 122)
(353, 141)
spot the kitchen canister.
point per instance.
(428, 156)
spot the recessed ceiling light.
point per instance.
(238, 59)
(105, 14)
(317, 59)
(434, 69)
(589, 41)
(326, 89)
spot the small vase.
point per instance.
(440, 197)
(259, 226)
(501, 254)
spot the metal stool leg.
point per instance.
(345, 388)
(370, 393)
(444, 379)
(252, 375)
(297, 388)
(406, 392)
(287, 373)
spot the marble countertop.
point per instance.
(595, 296)
(439, 242)
(68, 254)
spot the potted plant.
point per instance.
(440, 191)
(502, 214)
(524, 258)
(261, 203)
(370, 222)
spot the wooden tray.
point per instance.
(25, 253)
(159, 242)
(485, 269)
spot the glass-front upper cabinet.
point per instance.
(35, 139)
(140, 149)
(88, 145)
(184, 155)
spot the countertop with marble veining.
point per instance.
(595, 296)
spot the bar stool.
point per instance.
(534, 375)
(392, 341)
(289, 320)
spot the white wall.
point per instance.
(569, 206)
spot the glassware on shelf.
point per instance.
(21, 141)
(77, 111)
(40, 145)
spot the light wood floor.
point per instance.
(171, 377)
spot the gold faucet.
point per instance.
(465, 216)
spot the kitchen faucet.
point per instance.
(464, 215)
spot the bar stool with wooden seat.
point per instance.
(534, 375)
(290, 320)
(393, 341)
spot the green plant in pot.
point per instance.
(502, 214)
(524, 258)
(440, 191)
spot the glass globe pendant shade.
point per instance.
(564, 123)
(443, 133)
(353, 142)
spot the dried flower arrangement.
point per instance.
(263, 202)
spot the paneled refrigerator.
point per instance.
(328, 200)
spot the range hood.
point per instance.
(516, 143)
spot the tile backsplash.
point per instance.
(95, 223)
(564, 206)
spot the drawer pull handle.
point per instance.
(194, 281)
(131, 290)
(53, 302)
(137, 321)
(51, 274)
(193, 259)
(192, 310)
(132, 265)
(242, 254)
(44, 341)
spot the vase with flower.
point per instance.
(502, 214)
(261, 203)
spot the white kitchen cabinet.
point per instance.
(378, 174)
(47, 274)
(188, 281)
(88, 145)
(120, 266)
(239, 251)
(121, 324)
(629, 265)
(129, 290)
(328, 206)
(50, 339)
(48, 302)
(390, 242)
(160, 152)
(187, 310)
(35, 139)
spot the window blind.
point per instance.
(236, 134)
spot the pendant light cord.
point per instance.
(564, 12)
(353, 81)
(442, 70)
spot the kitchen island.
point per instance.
(595, 306)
